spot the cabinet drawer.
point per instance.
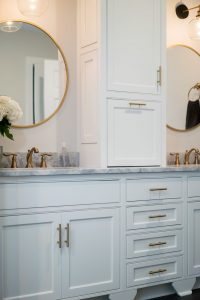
(154, 271)
(57, 193)
(154, 216)
(193, 187)
(154, 189)
(153, 243)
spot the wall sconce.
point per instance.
(32, 8)
(182, 12)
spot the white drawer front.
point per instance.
(139, 245)
(41, 194)
(193, 187)
(154, 189)
(154, 216)
(154, 271)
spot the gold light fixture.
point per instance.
(182, 12)
(32, 7)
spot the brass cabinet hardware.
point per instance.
(131, 104)
(157, 271)
(59, 242)
(157, 244)
(159, 76)
(157, 189)
(67, 231)
(157, 216)
(13, 159)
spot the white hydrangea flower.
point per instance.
(10, 109)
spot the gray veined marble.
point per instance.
(87, 171)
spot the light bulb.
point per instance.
(10, 26)
(32, 7)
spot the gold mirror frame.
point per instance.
(66, 73)
(194, 127)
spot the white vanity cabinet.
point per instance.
(80, 236)
(30, 257)
(126, 67)
(134, 46)
(134, 133)
(59, 247)
(194, 225)
(54, 256)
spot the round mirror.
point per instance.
(33, 71)
(183, 88)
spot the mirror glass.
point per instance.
(33, 71)
(183, 91)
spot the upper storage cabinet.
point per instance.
(133, 38)
(88, 22)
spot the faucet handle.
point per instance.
(43, 163)
(13, 159)
(177, 160)
(196, 157)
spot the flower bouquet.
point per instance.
(10, 112)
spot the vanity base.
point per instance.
(184, 287)
(126, 295)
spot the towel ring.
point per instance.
(195, 87)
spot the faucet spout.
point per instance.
(187, 155)
(29, 157)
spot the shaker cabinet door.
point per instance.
(134, 133)
(29, 257)
(134, 46)
(194, 238)
(90, 260)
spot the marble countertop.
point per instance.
(7, 172)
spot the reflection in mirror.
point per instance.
(183, 93)
(33, 72)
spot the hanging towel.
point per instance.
(193, 114)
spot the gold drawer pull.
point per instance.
(67, 231)
(157, 271)
(136, 104)
(158, 189)
(59, 242)
(157, 216)
(157, 244)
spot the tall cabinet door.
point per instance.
(194, 238)
(134, 133)
(134, 46)
(90, 260)
(29, 257)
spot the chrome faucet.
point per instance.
(29, 157)
(187, 156)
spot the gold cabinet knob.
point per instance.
(43, 163)
(13, 159)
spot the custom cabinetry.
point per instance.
(128, 68)
(134, 133)
(154, 255)
(134, 46)
(194, 225)
(80, 236)
(56, 255)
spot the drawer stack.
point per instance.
(154, 220)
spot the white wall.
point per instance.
(60, 22)
(177, 33)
